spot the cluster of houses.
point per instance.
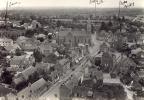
(30, 78)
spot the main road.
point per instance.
(53, 92)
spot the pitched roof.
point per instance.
(71, 82)
(125, 61)
(34, 88)
(4, 91)
(17, 60)
(63, 61)
(15, 46)
(141, 73)
(5, 40)
(135, 51)
(44, 65)
(83, 91)
(28, 43)
(29, 71)
(64, 91)
(108, 80)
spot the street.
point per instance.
(50, 94)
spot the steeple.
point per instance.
(89, 26)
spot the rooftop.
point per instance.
(27, 72)
(108, 80)
(5, 40)
(34, 88)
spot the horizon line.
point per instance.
(41, 8)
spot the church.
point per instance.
(73, 37)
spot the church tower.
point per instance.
(89, 27)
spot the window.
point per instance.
(55, 95)
(22, 96)
(30, 91)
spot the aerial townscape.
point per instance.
(72, 54)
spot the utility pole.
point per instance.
(6, 14)
(95, 8)
(96, 2)
(8, 5)
(119, 8)
(126, 4)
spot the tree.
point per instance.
(92, 29)
(103, 26)
(18, 52)
(21, 85)
(34, 77)
(29, 33)
(38, 55)
(6, 76)
(98, 61)
(22, 22)
(123, 18)
(41, 39)
(110, 24)
(51, 58)
(58, 23)
(115, 17)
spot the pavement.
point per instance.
(95, 49)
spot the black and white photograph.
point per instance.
(71, 49)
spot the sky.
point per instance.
(67, 3)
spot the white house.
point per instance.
(6, 42)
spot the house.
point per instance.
(12, 49)
(71, 82)
(33, 91)
(140, 57)
(141, 74)
(12, 33)
(136, 51)
(21, 39)
(26, 25)
(41, 36)
(64, 93)
(107, 61)
(24, 75)
(108, 80)
(118, 42)
(17, 61)
(135, 37)
(28, 72)
(124, 64)
(16, 24)
(4, 90)
(22, 62)
(55, 75)
(65, 89)
(28, 44)
(43, 67)
(93, 72)
(10, 96)
(101, 35)
(139, 98)
(81, 92)
(63, 65)
(46, 49)
(6, 42)
(35, 24)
